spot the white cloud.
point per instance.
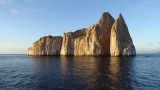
(5, 1)
(10, 1)
(19, 10)
(15, 11)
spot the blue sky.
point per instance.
(24, 21)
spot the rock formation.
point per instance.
(48, 45)
(107, 37)
(94, 40)
(121, 42)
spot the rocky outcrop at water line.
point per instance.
(107, 37)
(47, 45)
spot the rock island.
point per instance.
(108, 37)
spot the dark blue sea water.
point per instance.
(20, 72)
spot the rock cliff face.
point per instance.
(121, 42)
(107, 37)
(94, 40)
(68, 46)
(47, 45)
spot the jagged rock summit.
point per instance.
(108, 38)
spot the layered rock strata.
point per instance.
(107, 37)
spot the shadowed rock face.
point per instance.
(107, 37)
(121, 42)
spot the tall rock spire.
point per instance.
(121, 43)
(103, 32)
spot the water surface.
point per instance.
(20, 72)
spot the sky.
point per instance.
(22, 22)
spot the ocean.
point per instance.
(22, 72)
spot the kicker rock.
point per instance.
(47, 45)
(107, 37)
(121, 42)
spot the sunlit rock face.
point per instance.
(94, 40)
(107, 37)
(121, 42)
(68, 45)
(47, 45)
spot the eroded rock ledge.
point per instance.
(107, 37)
